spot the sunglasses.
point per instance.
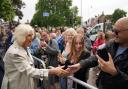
(117, 31)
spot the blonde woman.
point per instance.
(78, 53)
(68, 37)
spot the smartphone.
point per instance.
(67, 63)
(103, 53)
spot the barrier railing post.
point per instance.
(81, 82)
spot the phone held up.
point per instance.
(103, 53)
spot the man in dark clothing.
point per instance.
(50, 48)
(114, 72)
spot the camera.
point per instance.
(103, 53)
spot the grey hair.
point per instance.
(21, 33)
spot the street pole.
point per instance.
(81, 14)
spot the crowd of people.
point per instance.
(69, 51)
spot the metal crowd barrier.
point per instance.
(41, 61)
(77, 81)
(81, 83)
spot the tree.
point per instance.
(11, 8)
(6, 10)
(18, 4)
(73, 16)
(60, 13)
(118, 13)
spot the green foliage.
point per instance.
(77, 20)
(6, 10)
(60, 13)
(18, 4)
(118, 13)
(10, 8)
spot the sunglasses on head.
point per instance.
(116, 31)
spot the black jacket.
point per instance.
(82, 74)
(105, 80)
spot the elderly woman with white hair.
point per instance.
(19, 69)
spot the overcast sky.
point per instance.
(90, 8)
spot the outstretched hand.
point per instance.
(73, 68)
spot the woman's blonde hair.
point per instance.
(73, 49)
(21, 31)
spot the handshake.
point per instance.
(65, 70)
